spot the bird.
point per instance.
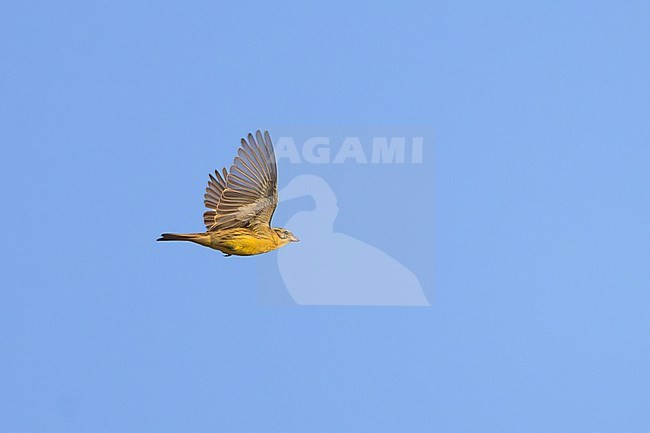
(241, 203)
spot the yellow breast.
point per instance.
(243, 242)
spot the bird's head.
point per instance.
(285, 236)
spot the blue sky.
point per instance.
(113, 114)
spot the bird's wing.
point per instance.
(250, 195)
(213, 191)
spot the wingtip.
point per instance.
(259, 135)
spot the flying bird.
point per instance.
(241, 203)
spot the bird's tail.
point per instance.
(191, 237)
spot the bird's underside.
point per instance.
(237, 241)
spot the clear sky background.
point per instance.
(112, 115)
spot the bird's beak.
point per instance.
(293, 238)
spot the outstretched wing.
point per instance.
(213, 191)
(250, 195)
